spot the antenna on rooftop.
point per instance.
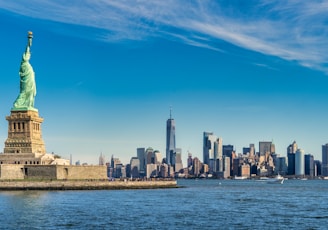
(170, 112)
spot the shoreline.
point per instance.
(84, 185)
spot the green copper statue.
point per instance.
(25, 99)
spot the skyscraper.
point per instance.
(210, 147)
(265, 147)
(178, 161)
(291, 150)
(299, 162)
(135, 167)
(324, 166)
(170, 140)
(309, 165)
(142, 159)
(219, 155)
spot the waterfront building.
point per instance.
(164, 171)
(102, 160)
(157, 156)
(245, 170)
(251, 150)
(246, 150)
(219, 156)
(227, 150)
(235, 167)
(281, 166)
(205, 168)
(265, 148)
(178, 160)
(189, 160)
(309, 165)
(324, 165)
(170, 140)
(209, 142)
(134, 167)
(196, 166)
(119, 171)
(149, 153)
(299, 162)
(226, 168)
(151, 170)
(317, 168)
(171, 171)
(291, 150)
(114, 161)
(142, 159)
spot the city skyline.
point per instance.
(107, 73)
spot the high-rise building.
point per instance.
(102, 160)
(189, 160)
(281, 166)
(149, 154)
(170, 140)
(226, 168)
(251, 150)
(212, 152)
(157, 157)
(219, 156)
(134, 167)
(246, 150)
(264, 147)
(196, 166)
(208, 147)
(299, 162)
(142, 159)
(227, 150)
(245, 170)
(114, 161)
(309, 165)
(151, 170)
(324, 165)
(164, 170)
(291, 150)
(178, 161)
(317, 168)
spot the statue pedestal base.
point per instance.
(24, 133)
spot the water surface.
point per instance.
(200, 204)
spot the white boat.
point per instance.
(276, 180)
(240, 177)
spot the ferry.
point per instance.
(240, 177)
(275, 180)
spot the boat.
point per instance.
(240, 177)
(276, 180)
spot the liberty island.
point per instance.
(25, 156)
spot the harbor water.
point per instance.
(199, 204)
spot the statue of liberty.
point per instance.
(25, 99)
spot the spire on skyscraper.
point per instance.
(170, 112)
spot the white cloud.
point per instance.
(292, 30)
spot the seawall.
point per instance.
(85, 185)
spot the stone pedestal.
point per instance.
(24, 133)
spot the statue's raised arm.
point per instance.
(25, 99)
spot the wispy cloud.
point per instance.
(291, 30)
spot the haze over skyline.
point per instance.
(107, 73)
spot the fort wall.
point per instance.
(52, 172)
(11, 171)
(85, 185)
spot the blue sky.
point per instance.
(107, 73)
